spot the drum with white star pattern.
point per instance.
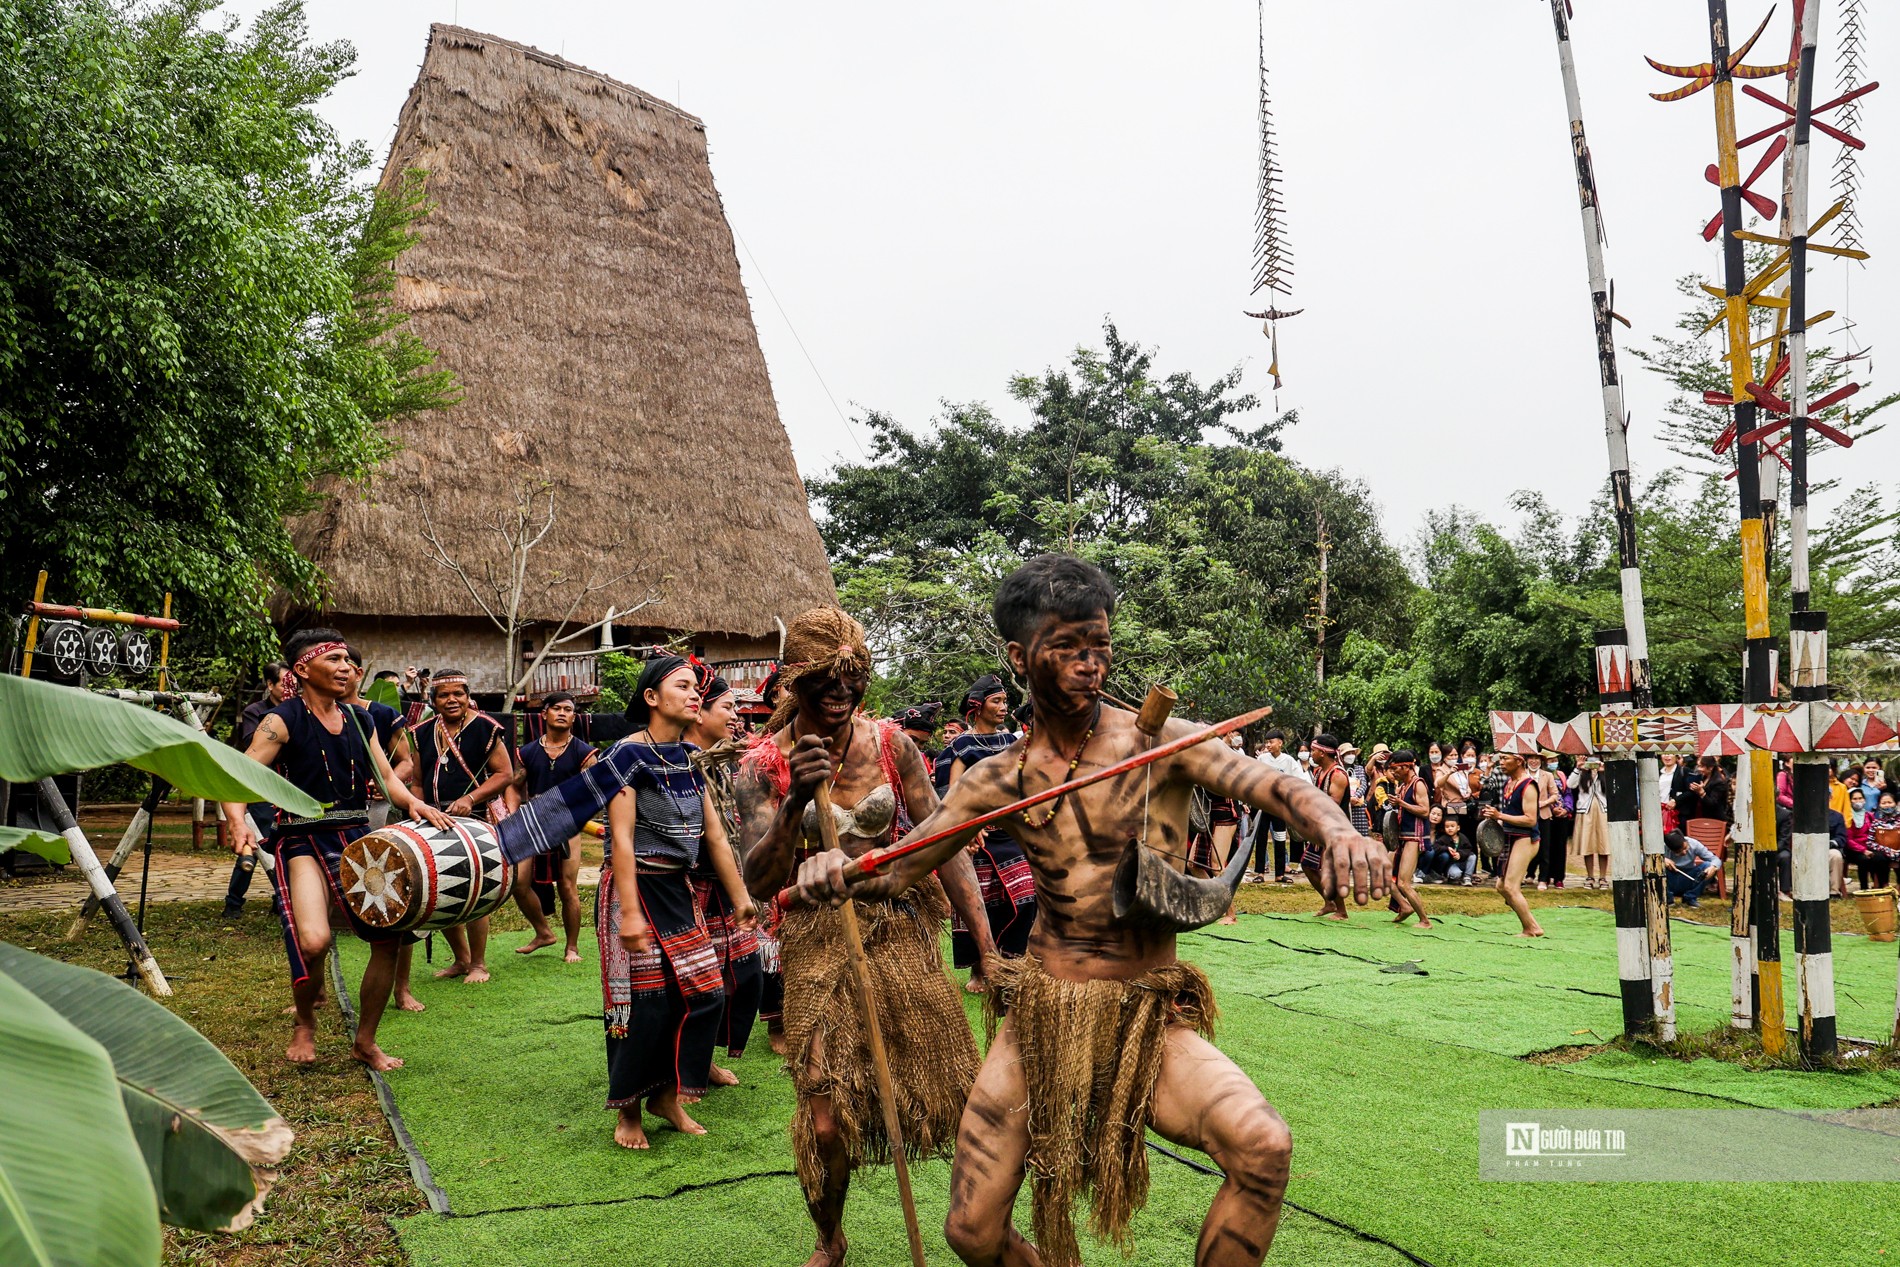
(413, 876)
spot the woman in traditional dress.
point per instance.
(872, 771)
(735, 944)
(1003, 877)
(661, 986)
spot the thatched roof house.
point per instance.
(578, 276)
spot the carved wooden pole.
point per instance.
(1631, 784)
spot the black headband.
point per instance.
(639, 713)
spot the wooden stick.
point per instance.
(33, 627)
(875, 860)
(880, 1059)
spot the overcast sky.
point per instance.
(931, 198)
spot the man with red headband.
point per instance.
(330, 751)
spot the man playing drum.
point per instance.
(329, 751)
(1107, 1032)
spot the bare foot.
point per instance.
(1423, 924)
(409, 1002)
(315, 1003)
(573, 955)
(375, 1057)
(303, 1046)
(540, 940)
(724, 1077)
(831, 1255)
(1532, 931)
(453, 970)
(1229, 918)
(976, 985)
(628, 1131)
(476, 975)
(779, 1043)
(667, 1108)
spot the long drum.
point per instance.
(412, 876)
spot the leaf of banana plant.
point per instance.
(210, 1141)
(45, 844)
(74, 1191)
(384, 691)
(47, 729)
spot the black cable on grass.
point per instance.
(1215, 1171)
(418, 1167)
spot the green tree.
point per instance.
(1210, 532)
(195, 318)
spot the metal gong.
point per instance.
(135, 651)
(102, 650)
(65, 645)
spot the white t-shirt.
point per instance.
(1285, 763)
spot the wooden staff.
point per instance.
(874, 861)
(880, 1059)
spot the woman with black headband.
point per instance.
(660, 978)
(1002, 873)
(874, 776)
(735, 944)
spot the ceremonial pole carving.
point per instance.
(1643, 959)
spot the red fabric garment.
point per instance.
(764, 760)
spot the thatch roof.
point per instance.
(578, 276)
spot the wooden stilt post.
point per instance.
(1631, 784)
(102, 889)
(874, 1034)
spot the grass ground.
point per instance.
(1379, 1074)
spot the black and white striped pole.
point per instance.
(1813, 938)
(1636, 963)
(1631, 784)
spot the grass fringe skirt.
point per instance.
(1091, 1052)
(932, 1052)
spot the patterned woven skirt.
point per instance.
(740, 966)
(1008, 888)
(661, 1006)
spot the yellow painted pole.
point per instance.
(165, 643)
(1757, 686)
(33, 627)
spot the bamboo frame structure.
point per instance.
(1632, 785)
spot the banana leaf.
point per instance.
(47, 729)
(211, 1142)
(45, 844)
(384, 691)
(74, 1191)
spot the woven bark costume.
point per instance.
(932, 1052)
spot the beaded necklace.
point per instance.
(1056, 804)
(323, 756)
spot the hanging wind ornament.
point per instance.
(1847, 81)
(1272, 260)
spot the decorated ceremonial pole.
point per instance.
(1807, 633)
(1631, 785)
(1755, 926)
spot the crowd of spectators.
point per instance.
(1461, 778)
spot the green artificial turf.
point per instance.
(1380, 1075)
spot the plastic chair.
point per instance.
(1712, 833)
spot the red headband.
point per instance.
(322, 648)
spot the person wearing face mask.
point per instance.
(1356, 785)
(1859, 834)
